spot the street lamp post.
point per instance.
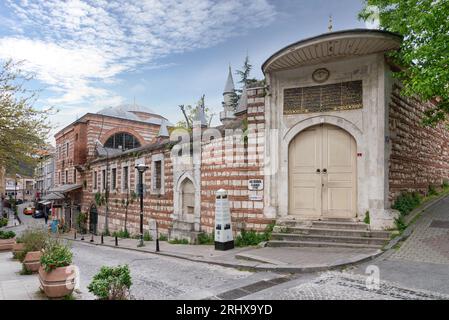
(141, 168)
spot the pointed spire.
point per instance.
(243, 101)
(229, 87)
(200, 114)
(163, 131)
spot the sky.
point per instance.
(91, 54)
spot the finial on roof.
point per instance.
(229, 87)
(329, 27)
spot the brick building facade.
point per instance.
(326, 135)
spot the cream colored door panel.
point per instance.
(304, 182)
(339, 180)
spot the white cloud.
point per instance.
(78, 46)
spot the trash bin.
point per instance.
(54, 225)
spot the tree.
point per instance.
(245, 80)
(190, 114)
(424, 54)
(23, 129)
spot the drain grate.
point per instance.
(443, 224)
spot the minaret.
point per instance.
(227, 115)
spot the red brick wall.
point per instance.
(419, 155)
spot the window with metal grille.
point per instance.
(158, 174)
(123, 141)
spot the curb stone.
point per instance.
(254, 266)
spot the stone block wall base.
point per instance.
(383, 219)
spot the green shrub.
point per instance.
(111, 283)
(400, 223)
(147, 236)
(205, 238)
(163, 237)
(367, 218)
(406, 202)
(33, 240)
(3, 222)
(55, 255)
(121, 234)
(179, 241)
(445, 184)
(432, 190)
(81, 221)
(7, 234)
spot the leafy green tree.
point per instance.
(23, 129)
(424, 54)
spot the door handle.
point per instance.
(318, 170)
(324, 170)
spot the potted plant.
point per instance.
(7, 240)
(17, 248)
(56, 273)
(33, 241)
(111, 283)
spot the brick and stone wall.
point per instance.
(228, 168)
(156, 206)
(419, 155)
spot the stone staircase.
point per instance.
(327, 233)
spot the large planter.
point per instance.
(7, 244)
(16, 249)
(32, 261)
(59, 282)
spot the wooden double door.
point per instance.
(322, 173)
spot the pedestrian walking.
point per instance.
(46, 215)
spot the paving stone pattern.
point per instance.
(429, 242)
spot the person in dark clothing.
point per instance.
(46, 215)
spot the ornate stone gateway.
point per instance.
(322, 173)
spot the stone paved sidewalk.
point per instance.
(14, 286)
(429, 241)
(252, 258)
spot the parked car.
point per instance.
(29, 210)
(19, 201)
(38, 214)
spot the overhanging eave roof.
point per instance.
(331, 46)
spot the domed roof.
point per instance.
(118, 112)
(134, 112)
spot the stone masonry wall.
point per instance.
(419, 155)
(230, 170)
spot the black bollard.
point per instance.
(92, 238)
(157, 245)
(74, 235)
(116, 241)
(102, 241)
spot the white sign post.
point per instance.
(223, 226)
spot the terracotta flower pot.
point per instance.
(59, 282)
(16, 249)
(32, 261)
(7, 244)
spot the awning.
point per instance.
(44, 202)
(53, 196)
(66, 188)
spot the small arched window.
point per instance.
(123, 141)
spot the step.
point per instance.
(337, 232)
(340, 225)
(277, 243)
(325, 238)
